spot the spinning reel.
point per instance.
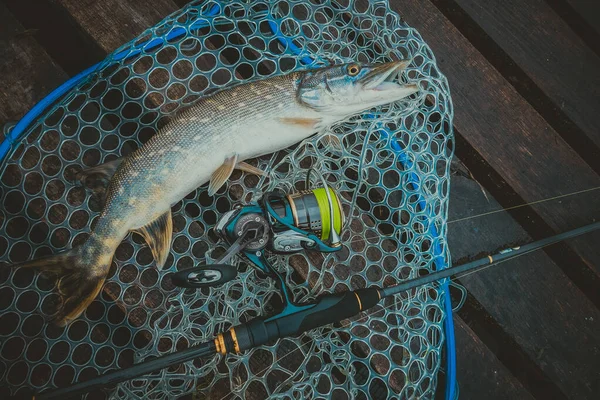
(311, 219)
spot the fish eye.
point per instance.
(353, 69)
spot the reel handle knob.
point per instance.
(204, 276)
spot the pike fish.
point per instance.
(205, 143)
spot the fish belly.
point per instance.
(269, 137)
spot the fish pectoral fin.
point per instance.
(101, 172)
(300, 121)
(221, 174)
(244, 166)
(158, 234)
(333, 141)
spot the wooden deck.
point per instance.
(525, 80)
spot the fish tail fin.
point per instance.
(81, 274)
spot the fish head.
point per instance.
(344, 90)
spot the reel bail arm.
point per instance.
(282, 224)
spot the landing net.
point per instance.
(392, 174)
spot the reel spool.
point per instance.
(316, 214)
(311, 219)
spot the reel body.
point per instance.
(311, 219)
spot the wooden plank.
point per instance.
(544, 46)
(28, 73)
(55, 31)
(530, 297)
(589, 10)
(112, 23)
(511, 136)
(479, 373)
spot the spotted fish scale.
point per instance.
(246, 120)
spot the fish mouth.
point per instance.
(385, 76)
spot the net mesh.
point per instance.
(392, 173)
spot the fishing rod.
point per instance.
(326, 309)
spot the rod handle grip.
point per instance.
(327, 309)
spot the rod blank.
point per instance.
(135, 371)
(486, 261)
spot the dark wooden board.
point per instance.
(546, 48)
(530, 297)
(589, 10)
(112, 23)
(514, 140)
(28, 73)
(480, 374)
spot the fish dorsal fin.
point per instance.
(158, 234)
(221, 174)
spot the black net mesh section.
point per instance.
(392, 174)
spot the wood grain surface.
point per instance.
(544, 46)
(480, 374)
(27, 73)
(530, 298)
(588, 9)
(112, 23)
(514, 140)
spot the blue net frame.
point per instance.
(393, 174)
